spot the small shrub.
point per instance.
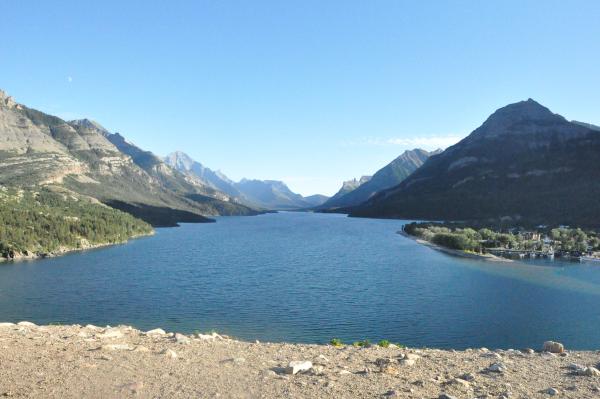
(336, 342)
(361, 344)
(384, 343)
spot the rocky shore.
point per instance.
(119, 362)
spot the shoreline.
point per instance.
(455, 252)
(65, 251)
(74, 361)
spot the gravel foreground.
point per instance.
(121, 362)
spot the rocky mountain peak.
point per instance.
(6, 100)
(520, 117)
(89, 124)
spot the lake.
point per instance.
(307, 277)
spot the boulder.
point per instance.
(553, 347)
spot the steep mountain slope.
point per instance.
(523, 165)
(347, 187)
(262, 194)
(42, 150)
(388, 176)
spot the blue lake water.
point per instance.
(307, 278)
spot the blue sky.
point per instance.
(309, 92)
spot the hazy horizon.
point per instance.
(310, 93)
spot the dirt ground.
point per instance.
(122, 362)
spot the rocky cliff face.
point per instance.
(524, 164)
(41, 149)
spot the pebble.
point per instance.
(298, 366)
(407, 362)
(551, 391)
(553, 347)
(466, 377)
(392, 394)
(446, 396)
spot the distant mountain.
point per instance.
(316, 199)
(263, 194)
(37, 149)
(347, 187)
(525, 164)
(354, 193)
(215, 179)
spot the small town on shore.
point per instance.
(563, 242)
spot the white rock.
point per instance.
(411, 356)
(553, 347)
(407, 362)
(238, 361)
(497, 368)
(117, 347)
(7, 325)
(551, 391)
(170, 353)
(589, 372)
(92, 327)
(156, 331)
(297, 366)
(460, 381)
(26, 324)
(344, 372)
(111, 333)
(141, 348)
(182, 339)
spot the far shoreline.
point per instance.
(455, 252)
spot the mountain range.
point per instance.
(524, 164)
(82, 158)
(355, 192)
(258, 194)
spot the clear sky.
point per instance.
(309, 92)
